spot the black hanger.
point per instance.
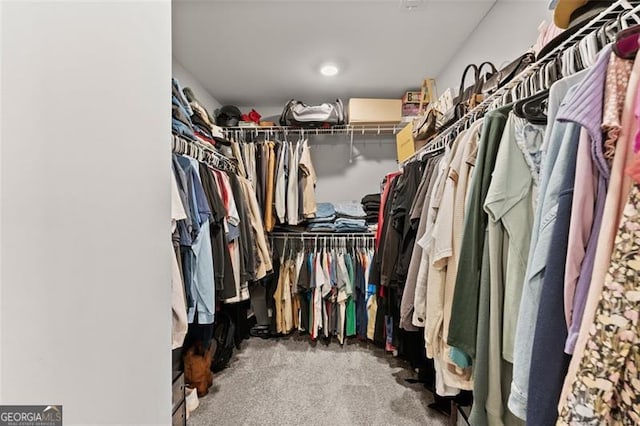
(534, 108)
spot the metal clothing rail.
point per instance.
(608, 16)
(347, 129)
(319, 235)
(202, 152)
(350, 130)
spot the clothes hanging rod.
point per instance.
(347, 129)
(209, 150)
(320, 235)
(604, 18)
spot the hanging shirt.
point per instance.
(309, 180)
(463, 324)
(178, 300)
(606, 387)
(292, 184)
(281, 182)
(561, 139)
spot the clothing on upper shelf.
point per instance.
(350, 210)
(341, 217)
(371, 205)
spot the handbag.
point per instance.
(463, 100)
(506, 74)
(299, 114)
(425, 127)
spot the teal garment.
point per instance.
(351, 303)
(460, 358)
(464, 310)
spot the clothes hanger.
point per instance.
(534, 108)
(626, 40)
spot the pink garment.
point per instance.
(584, 198)
(636, 145)
(634, 168)
(547, 32)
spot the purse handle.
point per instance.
(487, 63)
(464, 77)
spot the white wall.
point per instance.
(339, 180)
(187, 79)
(85, 165)
(508, 30)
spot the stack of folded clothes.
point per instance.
(350, 218)
(371, 205)
(324, 220)
(192, 121)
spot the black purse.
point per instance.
(465, 98)
(508, 73)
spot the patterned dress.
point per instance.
(607, 387)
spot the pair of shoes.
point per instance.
(197, 368)
(261, 331)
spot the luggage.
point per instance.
(299, 114)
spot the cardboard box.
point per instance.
(410, 110)
(412, 97)
(406, 146)
(374, 111)
(404, 143)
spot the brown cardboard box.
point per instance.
(404, 143)
(412, 97)
(406, 146)
(374, 111)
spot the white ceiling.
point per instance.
(266, 52)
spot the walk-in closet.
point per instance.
(278, 212)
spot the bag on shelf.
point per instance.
(508, 73)
(299, 114)
(468, 97)
(425, 127)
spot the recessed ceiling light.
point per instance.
(329, 70)
(411, 4)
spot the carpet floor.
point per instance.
(289, 381)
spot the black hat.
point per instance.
(228, 116)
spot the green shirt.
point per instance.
(464, 311)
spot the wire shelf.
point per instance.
(605, 17)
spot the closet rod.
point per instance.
(606, 17)
(347, 129)
(201, 149)
(319, 235)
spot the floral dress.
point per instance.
(607, 387)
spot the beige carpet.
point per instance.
(290, 382)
